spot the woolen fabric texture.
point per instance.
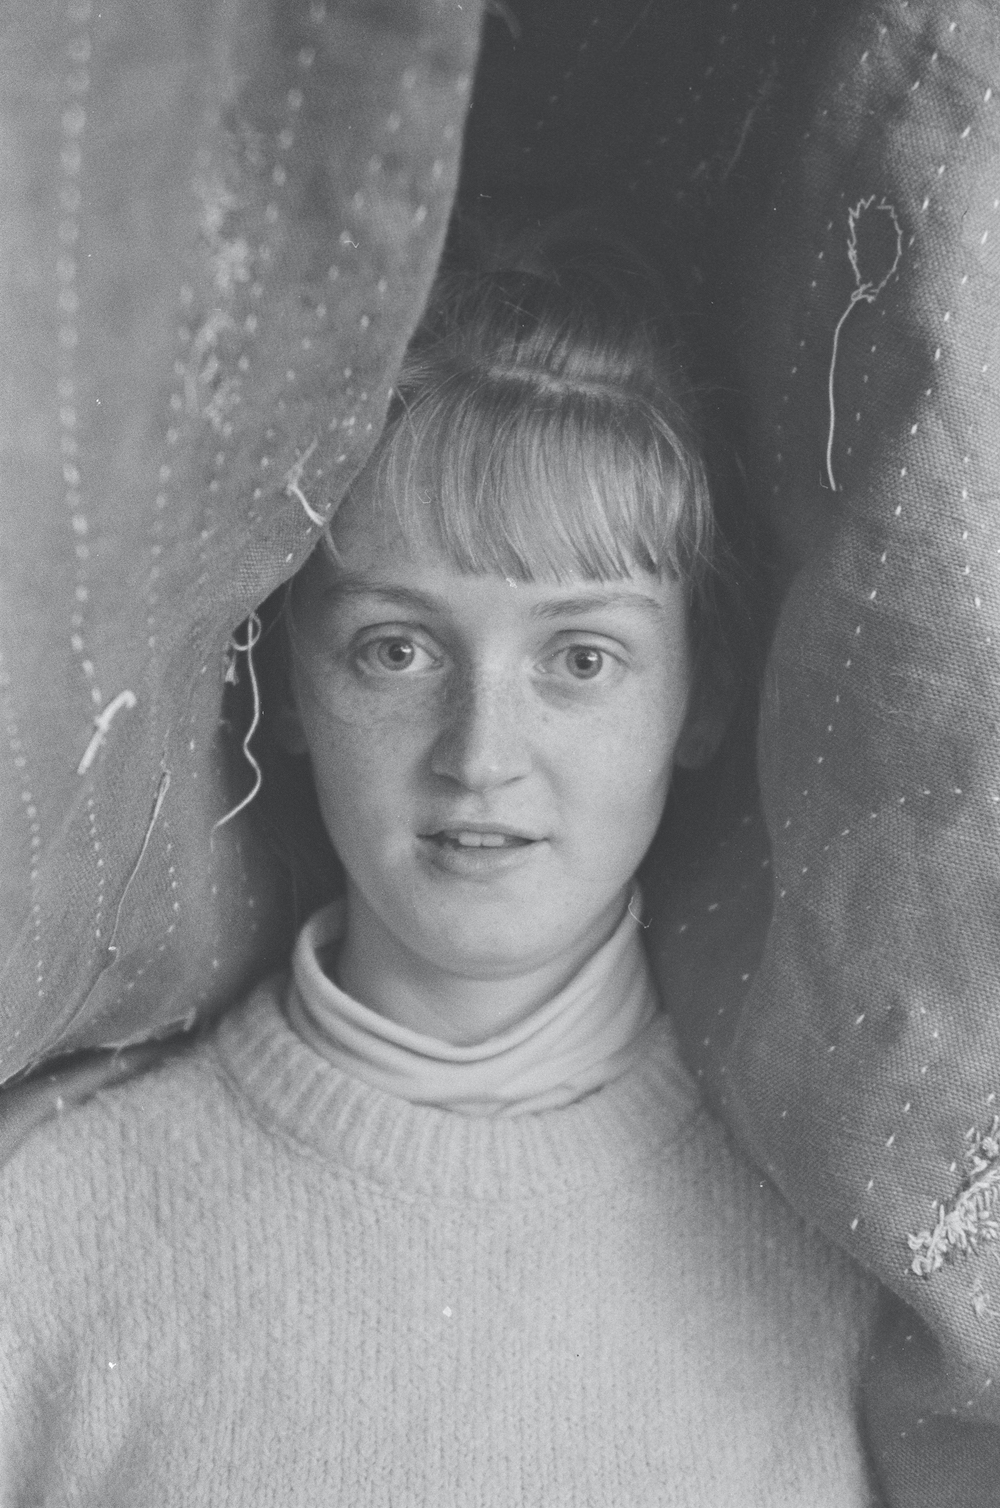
(247, 1278)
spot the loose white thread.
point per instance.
(102, 722)
(970, 1216)
(635, 915)
(866, 291)
(253, 636)
(764, 91)
(293, 486)
(158, 800)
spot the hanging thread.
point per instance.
(253, 636)
(866, 291)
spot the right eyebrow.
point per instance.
(388, 591)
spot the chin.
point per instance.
(474, 957)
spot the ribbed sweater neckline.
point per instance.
(585, 1036)
(418, 1150)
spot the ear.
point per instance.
(714, 695)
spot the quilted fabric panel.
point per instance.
(851, 1035)
(879, 756)
(221, 223)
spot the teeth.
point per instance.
(460, 837)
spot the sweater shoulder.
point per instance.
(746, 1223)
(70, 1161)
(89, 1110)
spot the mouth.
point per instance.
(479, 852)
(469, 838)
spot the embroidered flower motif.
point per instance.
(971, 1215)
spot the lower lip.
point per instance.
(478, 862)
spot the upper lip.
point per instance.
(505, 828)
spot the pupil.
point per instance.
(397, 652)
(586, 662)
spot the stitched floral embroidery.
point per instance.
(971, 1215)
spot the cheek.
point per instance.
(636, 754)
(621, 772)
(363, 759)
(349, 758)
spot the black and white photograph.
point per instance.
(499, 753)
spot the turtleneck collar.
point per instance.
(582, 1039)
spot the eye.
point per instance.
(583, 662)
(394, 654)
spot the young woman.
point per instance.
(436, 1217)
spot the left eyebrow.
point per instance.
(578, 607)
(360, 586)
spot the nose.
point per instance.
(482, 743)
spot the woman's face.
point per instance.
(491, 757)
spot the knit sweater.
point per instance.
(249, 1279)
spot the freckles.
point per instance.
(384, 742)
(363, 745)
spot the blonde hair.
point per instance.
(542, 424)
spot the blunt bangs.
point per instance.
(543, 425)
(528, 478)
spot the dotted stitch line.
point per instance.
(76, 86)
(72, 123)
(30, 809)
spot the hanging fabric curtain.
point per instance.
(221, 222)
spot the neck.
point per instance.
(379, 971)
